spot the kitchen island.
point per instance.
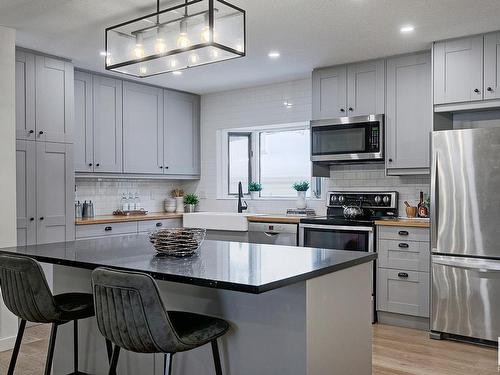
(292, 310)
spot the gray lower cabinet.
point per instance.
(45, 183)
(54, 97)
(119, 229)
(25, 96)
(107, 124)
(329, 92)
(150, 225)
(408, 112)
(458, 70)
(143, 129)
(492, 66)
(84, 132)
(365, 88)
(181, 139)
(403, 276)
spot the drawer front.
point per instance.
(403, 292)
(403, 233)
(103, 230)
(406, 255)
(150, 225)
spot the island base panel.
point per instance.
(299, 329)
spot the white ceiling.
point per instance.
(308, 33)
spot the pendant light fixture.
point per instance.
(193, 33)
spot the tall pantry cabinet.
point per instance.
(44, 149)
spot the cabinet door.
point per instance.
(25, 192)
(25, 95)
(55, 192)
(329, 92)
(142, 129)
(54, 109)
(365, 88)
(108, 142)
(84, 138)
(408, 117)
(492, 66)
(182, 133)
(458, 70)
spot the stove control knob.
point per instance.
(386, 199)
(377, 199)
(341, 199)
(334, 198)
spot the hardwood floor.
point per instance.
(396, 351)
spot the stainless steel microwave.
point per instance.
(348, 139)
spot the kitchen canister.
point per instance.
(169, 205)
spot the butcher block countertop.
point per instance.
(109, 219)
(403, 222)
(282, 219)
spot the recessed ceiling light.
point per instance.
(274, 54)
(407, 29)
(177, 72)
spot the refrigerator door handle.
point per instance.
(434, 202)
(473, 264)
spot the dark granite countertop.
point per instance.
(243, 267)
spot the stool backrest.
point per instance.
(130, 312)
(25, 291)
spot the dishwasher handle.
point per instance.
(271, 234)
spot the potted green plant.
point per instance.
(301, 188)
(254, 188)
(191, 200)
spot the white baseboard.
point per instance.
(7, 343)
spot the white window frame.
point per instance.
(223, 159)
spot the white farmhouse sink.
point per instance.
(231, 221)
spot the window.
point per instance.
(274, 156)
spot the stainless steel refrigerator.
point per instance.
(465, 233)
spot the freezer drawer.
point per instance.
(466, 297)
(403, 292)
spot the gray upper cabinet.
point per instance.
(458, 70)
(25, 95)
(329, 92)
(181, 133)
(408, 117)
(54, 96)
(143, 129)
(54, 192)
(492, 66)
(25, 192)
(107, 118)
(84, 137)
(365, 88)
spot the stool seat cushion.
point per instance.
(74, 306)
(195, 329)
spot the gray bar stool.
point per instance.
(26, 294)
(130, 313)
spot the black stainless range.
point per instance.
(350, 223)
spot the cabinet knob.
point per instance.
(108, 229)
(159, 224)
(489, 89)
(166, 167)
(41, 218)
(90, 164)
(342, 110)
(403, 275)
(161, 166)
(31, 131)
(404, 245)
(476, 91)
(32, 219)
(403, 233)
(390, 160)
(40, 132)
(97, 164)
(351, 109)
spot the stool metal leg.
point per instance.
(75, 346)
(215, 352)
(17, 346)
(114, 360)
(50, 352)
(168, 357)
(109, 350)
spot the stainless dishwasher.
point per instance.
(273, 233)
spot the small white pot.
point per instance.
(179, 204)
(301, 200)
(254, 194)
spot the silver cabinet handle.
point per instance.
(270, 234)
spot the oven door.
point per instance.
(337, 237)
(347, 139)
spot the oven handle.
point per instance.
(337, 227)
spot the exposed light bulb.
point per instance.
(108, 60)
(173, 63)
(205, 33)
(160, 44)
(183, 39)
(214, 53)
(143, 70)
(139, 46)
(194, 58)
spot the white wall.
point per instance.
(8, 323)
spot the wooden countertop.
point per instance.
(402, 222)
(282, 219)
(108, 219)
